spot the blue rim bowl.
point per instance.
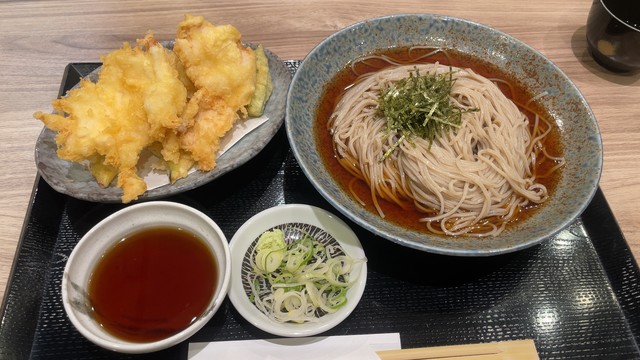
(579, 133)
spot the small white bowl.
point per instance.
(311, 216)
(117, 226)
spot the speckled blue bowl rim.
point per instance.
(579, 130)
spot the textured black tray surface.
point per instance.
(577, 294)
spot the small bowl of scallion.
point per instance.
(297, 270)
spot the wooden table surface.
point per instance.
(39, 37)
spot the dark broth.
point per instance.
(407, 216)
(153, 284)
(628, 11)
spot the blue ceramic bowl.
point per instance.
(579, 131)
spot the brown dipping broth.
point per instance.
(153, 284)
(407, 216)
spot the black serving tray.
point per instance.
(577, 295)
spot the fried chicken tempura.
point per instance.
(137, 97)
(224, 72)
(215, 59)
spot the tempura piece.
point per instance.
(103, 173)
(213, 119)
(264, 86)
(215, 59)
(137, 97)
(224, 72)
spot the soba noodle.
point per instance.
(471, 180)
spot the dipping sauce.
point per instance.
(152, 284)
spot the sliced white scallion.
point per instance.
(270, 250)
(299, 282)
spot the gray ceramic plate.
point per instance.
(74, 180)
(578, 127)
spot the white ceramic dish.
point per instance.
(315, 219)
(112, 229)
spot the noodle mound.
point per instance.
(471, 180)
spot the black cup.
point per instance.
(613, 34)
